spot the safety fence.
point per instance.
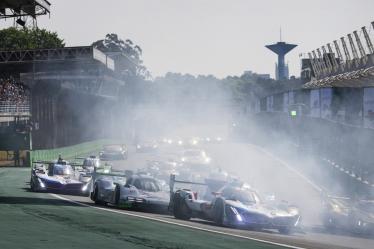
(69, 152)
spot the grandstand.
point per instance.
(63, 90)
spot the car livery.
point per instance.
(137, 192)
(234, 206)
(59, 176)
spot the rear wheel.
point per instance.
(219, 209)
(180, 208)
(95, 196)
(117, 194)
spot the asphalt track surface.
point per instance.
(263, 170)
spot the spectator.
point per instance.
(13, 91)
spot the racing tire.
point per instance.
(117, 194)
(180, 209)
(219, 211)
(32, 186)
(95, 197)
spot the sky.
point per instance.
(218, 37)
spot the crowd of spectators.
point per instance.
(13, 92)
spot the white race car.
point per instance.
(137, 192)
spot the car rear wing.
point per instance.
(173, 181)
(212, 184)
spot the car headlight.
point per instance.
(85, 187)
(138, 146)
(207, 160)
(183, 159)
(236, 213)
(41, 183)
(180, 142)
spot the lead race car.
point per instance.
(233, 205)
(59, 176)
(136, 191)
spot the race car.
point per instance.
(113, 152)
(162, 169)
(346, 214)
(90, 163)
(235, 206)
(146, 147)
(195, 156)
(138, 192)
(60, 177)
(216, 139)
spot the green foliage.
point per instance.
(25, 38)
(126, 54)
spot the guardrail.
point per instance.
(10, 108)
(69, 152)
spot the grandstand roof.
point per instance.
(17, 8)
(354, 79)
(55, 59)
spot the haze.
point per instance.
(218, 37)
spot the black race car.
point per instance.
(342, 213)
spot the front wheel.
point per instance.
(32, 186)
(219, 209)
(117, 194)
(180, 208)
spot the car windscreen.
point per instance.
(147, 184)
(63, 170)
(235, 194)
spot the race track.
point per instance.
(266, 172)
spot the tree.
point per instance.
(126, 54)
(25, 38)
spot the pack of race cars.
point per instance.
(188, 185)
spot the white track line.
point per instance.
(175, 223)
(290, 168)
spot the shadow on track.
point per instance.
(341, 232)
(33, 201)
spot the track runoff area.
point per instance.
(42, 220)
